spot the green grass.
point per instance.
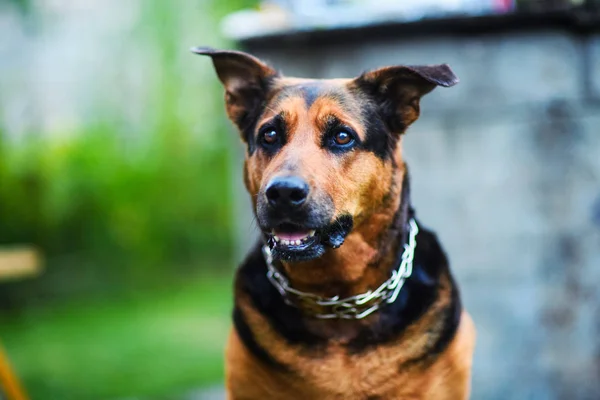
(150, 344)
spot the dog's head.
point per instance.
(321, 154)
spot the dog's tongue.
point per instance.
(298, 235)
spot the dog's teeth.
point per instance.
(285, 242)
(311, 233)
(297, 242)
(276, 238)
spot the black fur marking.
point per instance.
(379, 139)
(336, 233)
(379, 114)
(451, 320)
(247, 337)
(451, 316)
(278, 125)
(255, 104)
(246, 125)
(311, 92)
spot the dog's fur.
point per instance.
(420, 346)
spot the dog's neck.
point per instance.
(368, 255)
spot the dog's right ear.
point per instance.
(398, 90)
(246, 80)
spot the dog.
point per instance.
(346, 295)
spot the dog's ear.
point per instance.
(246, 80)
(398, 90)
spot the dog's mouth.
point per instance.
(292, 236)
(292, 242)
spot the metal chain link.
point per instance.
(354, 307)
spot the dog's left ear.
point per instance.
(246, 81)
(398, 90)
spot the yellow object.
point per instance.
(15, 263)
(19, 262)
(9, 383)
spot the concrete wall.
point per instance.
(506, 168)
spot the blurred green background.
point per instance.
(115, 162)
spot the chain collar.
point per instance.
(354, 307)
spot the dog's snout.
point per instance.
(288, 192)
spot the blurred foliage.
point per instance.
(134, 221)
(103, 216)
(112, 214)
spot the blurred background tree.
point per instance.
(124, 176)
(115, 164)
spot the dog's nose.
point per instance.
(287, 192)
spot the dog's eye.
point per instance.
(342, 138)
(270, 136)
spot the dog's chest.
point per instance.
(340, 376)
(381, 373)
(337, 371)
(390, 372)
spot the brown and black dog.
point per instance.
(342, 298)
